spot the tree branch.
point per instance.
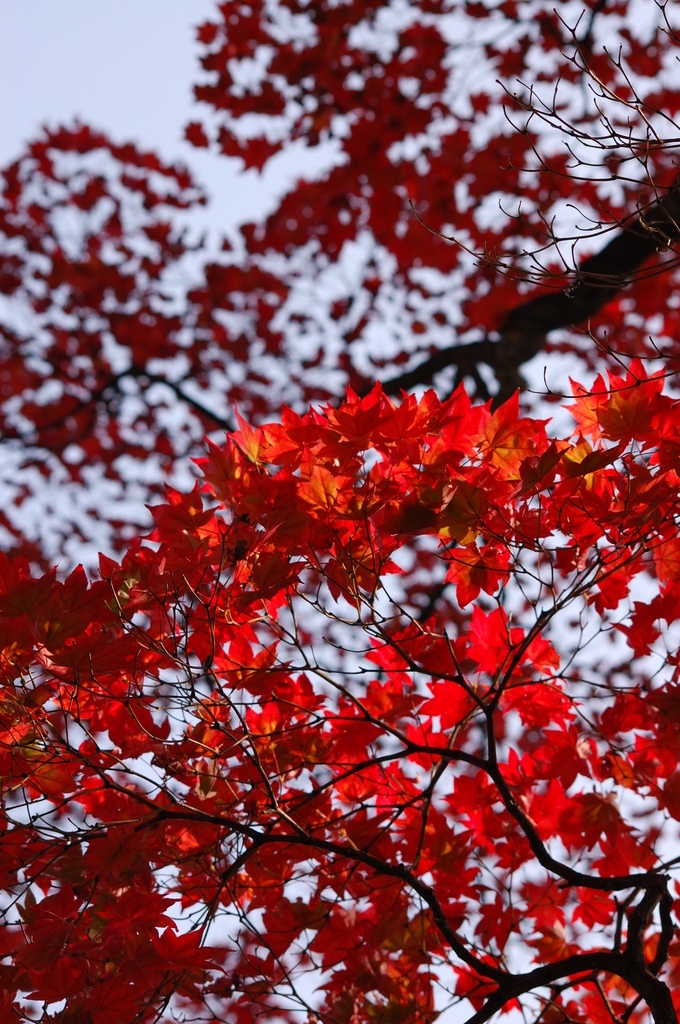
(523, 334)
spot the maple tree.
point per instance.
(531, 136)
(248, 719)
(490, 121)
(380, 721)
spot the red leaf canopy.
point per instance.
(250, 720)
(126, 341)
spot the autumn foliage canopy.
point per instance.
(380, 722)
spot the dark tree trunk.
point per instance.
(596, 282)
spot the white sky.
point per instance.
(126, 67)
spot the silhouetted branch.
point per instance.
(523, 334)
